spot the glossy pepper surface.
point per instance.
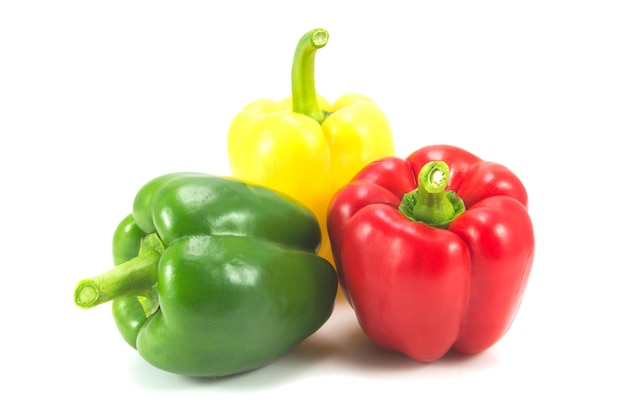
(214, 276)
(433, 251)
(303, 145)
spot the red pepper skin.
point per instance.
(422, 290)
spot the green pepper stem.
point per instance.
(136, 277)
(431, 203)
(304, 95)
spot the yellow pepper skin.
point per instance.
(303, 145)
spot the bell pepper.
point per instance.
(214, 276)
(433, 251)
(304, 146)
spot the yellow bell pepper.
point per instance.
(303, 146)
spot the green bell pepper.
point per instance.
(214, 276)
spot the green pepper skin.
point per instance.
(126, 240)
(238, 282)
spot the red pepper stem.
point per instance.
(136, 277)
(431, 203)
(304, 96)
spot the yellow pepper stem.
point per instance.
(304, 96)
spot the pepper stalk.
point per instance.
(304, 95)
(136, 277)
(430, 202)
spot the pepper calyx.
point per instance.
(430, 202)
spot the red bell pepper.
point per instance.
(433, 252)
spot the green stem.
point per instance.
(304, 96)
(136, 277)
(431, 203)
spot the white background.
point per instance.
(96, 98)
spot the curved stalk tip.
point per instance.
(319, 38)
